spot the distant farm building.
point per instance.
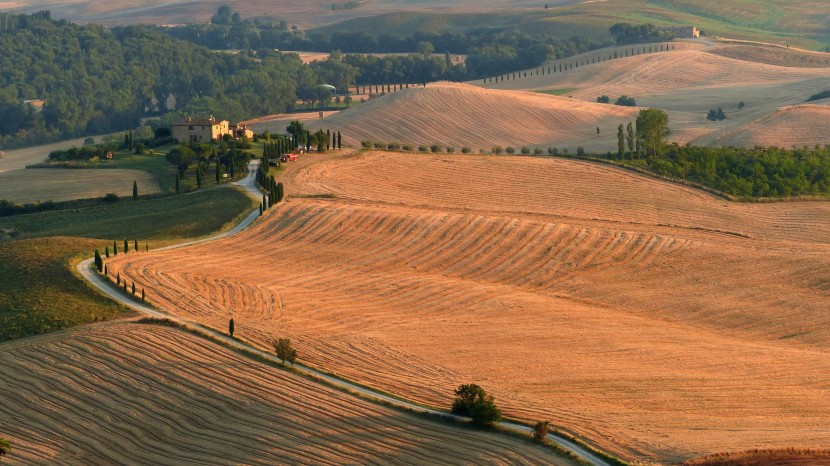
(207, 129)
(37, 104)
(681, 32)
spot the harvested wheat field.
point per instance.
(128, 393)
(461, 115)
(797, 126)
(574, 292)
(58, 184)
(692, 79)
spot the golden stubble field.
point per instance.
(126, 393)
(696, 76)
(656, 320)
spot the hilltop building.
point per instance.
(681, 32)
(207, 129)
(37, 104)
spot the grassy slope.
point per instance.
(39, 293)
(778, 21)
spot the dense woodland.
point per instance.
(743, 173)
(97, 80)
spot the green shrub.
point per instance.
(450, 149)
(498, 150)
(379, 145)
(407, 147)
(366, 144)
(471, 400)
(466, 150)
(422, 148)
(435, 148)
(510, 150)
(525, 150)
(538, 151)
(393, 146)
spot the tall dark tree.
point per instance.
(135, 190)
(107, 252)
(231, 327)
(621, 141)
(631, 139)
(114, 248)
(99, 263)
(135, 245)
(339, 140)
(126, 246)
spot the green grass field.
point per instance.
(40, 293)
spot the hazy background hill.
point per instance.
(803, 23)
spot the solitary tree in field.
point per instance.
(230, 327)
(471, 400)
(652, 130)
(5, 447)
(621, 141)
(126, 246)
(285, 351)
(540, 430)
(135, 190)
(114, 248)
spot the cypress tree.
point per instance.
(99, 263)
(339, 141)
(135, 245)
(230, 327)
(135, 190)
(118, 278)
(126, 141)
(142, 294)
(146, 248)
(260, 209)
(126, 246)
(107, 252)
(133, 287)
(106, 270)
(125, 284)
(264, 201)
(328, 139)
(630, 138)
(621, 141)
(114, 248)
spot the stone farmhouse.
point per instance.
(207, 129)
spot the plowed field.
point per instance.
(659, 321)
(128, 394)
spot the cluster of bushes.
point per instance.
(716, 115)
(625, 33)
(624, 101)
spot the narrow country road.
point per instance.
(105, 286)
